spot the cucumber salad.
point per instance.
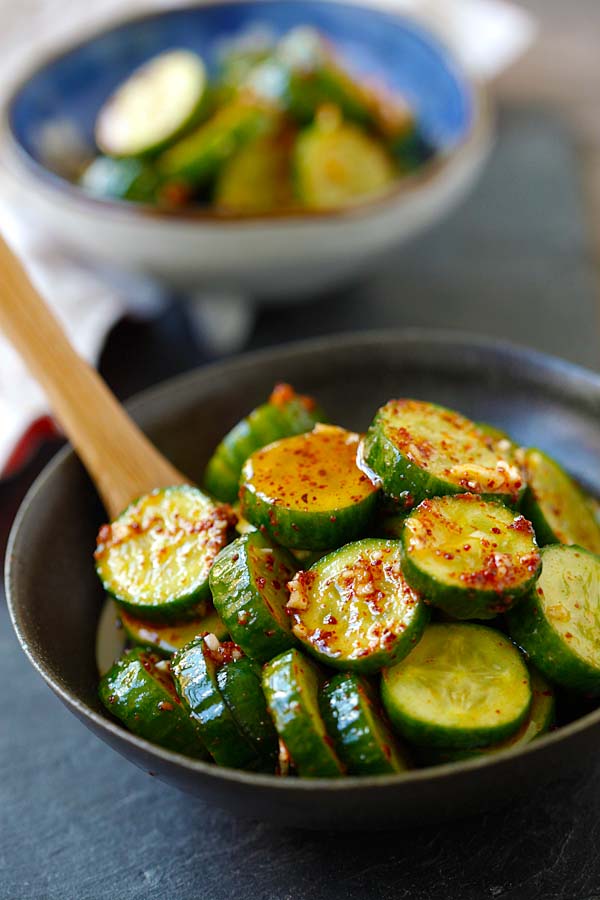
(335, 604)
(273, 129)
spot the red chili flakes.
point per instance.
(330, 619)
(165, 706)
(522, 524)
(496, 530)
(261, 582)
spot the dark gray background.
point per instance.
(77, 822)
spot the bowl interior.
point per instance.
(52, 113)
(55, 597)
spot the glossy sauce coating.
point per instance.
(312, 472)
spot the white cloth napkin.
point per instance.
(486, 35)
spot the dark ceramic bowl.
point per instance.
(55, 598)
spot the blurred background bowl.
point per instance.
(48, 126)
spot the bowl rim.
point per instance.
(476, 138)
(535, 359)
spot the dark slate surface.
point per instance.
(77, 822)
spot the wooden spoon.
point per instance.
(121, 461)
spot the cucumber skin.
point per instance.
(136, 705)
(240, 605)
(301, 530)
(133, 628)
(463, 603)
(404, 481)
(532, 511)
(196, 683)
(239, 682)
(265, 424)
(346, 708)
(312, 755)
(424, 734)
(435, 756)
(530, 629)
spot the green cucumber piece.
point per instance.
(156, 104)
(258, 178)
(195, 669)
(556, 505)
(241, 688)
(154, 559)
(558, 625)
(291, 685)
(121, 179)
(307, 492)
(199, 156)
(248, 582)
(167, 638)
(418, 449)
(540, 719)
(470, 557)
(362, 737)
(463, 686)
(139, 691)
(284, 415)
(337, 164)
(354, 610)
(314, 78)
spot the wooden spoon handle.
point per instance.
(119, 458)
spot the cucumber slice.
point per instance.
(470, 557)
(361, 735)
(121, 179)
(285, 414)
(199, 156)
(354, 610)
(419, 449)
(539, 721)
(249, 587)
(139, 691)
(240, 684)
(558, 626)
(167, 638)
(307, 491)
(464, 685)
(155, 558)
(258, 178)
(195, 668)
(154, 106)
(291, 686)
(556, 504)
(337, 164)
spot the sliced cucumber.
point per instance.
(199, 156)
(154, 106)
(315, 78)
(139, 691)
(354, 610)
(558, 626)
(362, 737)
(538, 722)
(337, 164)
(556, 504)
(240, 684)
(155, 558)
(167, 638)
(195, 669)
(464, 685)
(471, 557)
(307, 491)
(285, 414)
(258, 178)
(121, 179)
(291, 685)
(419, 450)
(249, 587)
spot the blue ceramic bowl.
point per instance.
(49, 121)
